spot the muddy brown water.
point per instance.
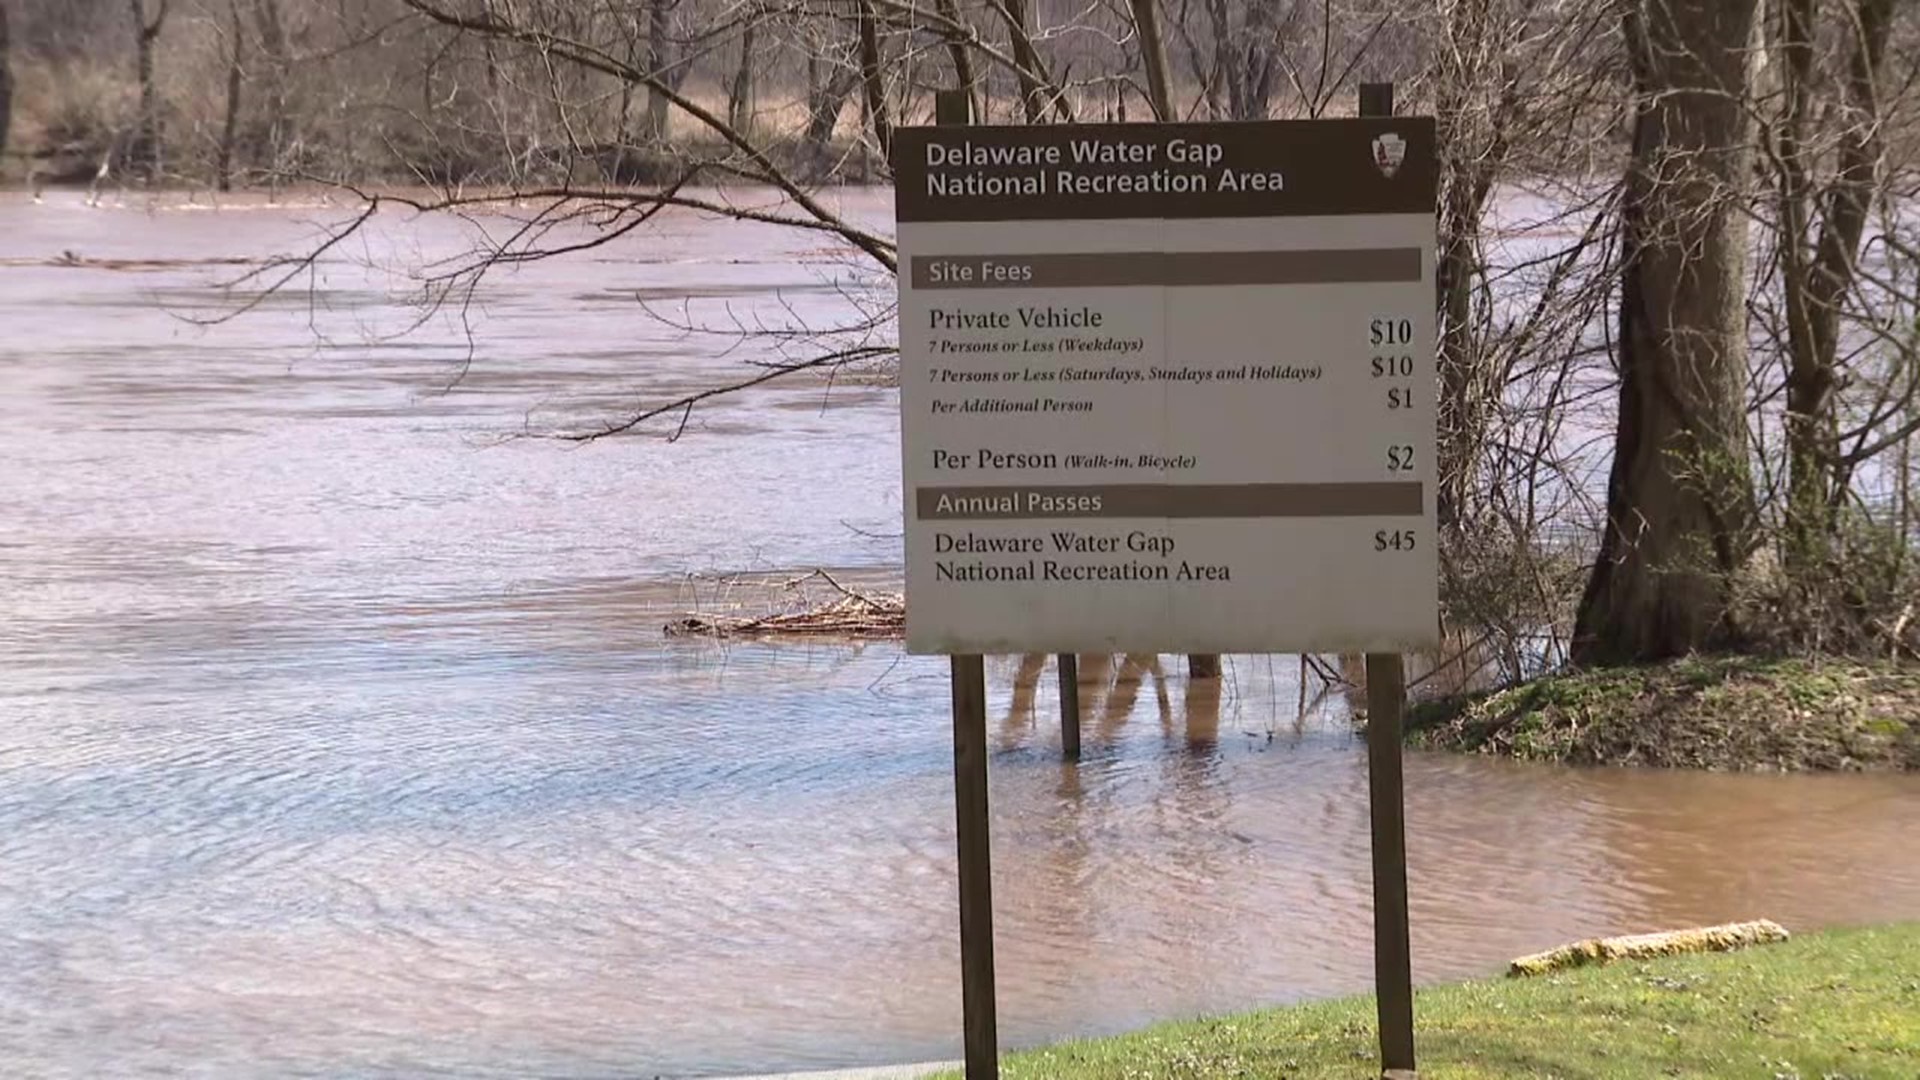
(338, 736)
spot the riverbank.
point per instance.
(1837, 1004)
(1731, 713)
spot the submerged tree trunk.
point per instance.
(229, 129)
(144, 153)
(1680, 516)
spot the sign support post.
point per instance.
(976, 867)
(1069, 664)
(972, 822)
(1386, 798)
(1392, 956)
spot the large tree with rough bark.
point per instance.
(1680, 506)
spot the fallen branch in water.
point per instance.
(1725, 938)
(848, 613)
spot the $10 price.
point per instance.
(1388, 333)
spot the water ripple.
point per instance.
(339, 739)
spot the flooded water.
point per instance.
(338, 736)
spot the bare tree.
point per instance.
(1020, 41)
(277, 67)
(6, 80)
(1477, 102)
(667, 67)
(741, 102)
(832, 75)
(230, 127)
(1820, 231)
(1247, 41)
(144, 153)
(1153, 56)
(1563, 250)
(964, 77)
(872, 78)
(1680, 514)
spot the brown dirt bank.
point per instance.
(1726, 713)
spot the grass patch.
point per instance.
(1843, 1005)
(1707, 712)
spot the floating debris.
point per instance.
(805, 609)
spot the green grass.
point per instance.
(1712, 712)
(1843, 1005)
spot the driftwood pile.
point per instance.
(814, 605)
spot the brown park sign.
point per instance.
(1168, 387)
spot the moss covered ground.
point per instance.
(1730, 713)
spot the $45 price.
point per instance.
(1393, 540)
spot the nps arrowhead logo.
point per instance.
(1389, 151)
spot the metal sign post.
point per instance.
(976, 866)
(1070, 705)
(1386, 806)
(972, 822)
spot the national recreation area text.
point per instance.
(960, 167)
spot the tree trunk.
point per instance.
(659, 56)
(1851, 196)
(1680, 515)
(1153, 57)
(144, 154)
(1206, 60)
(1224, 68)
(6, 81)
(824, 107)
(870, 78)
(740, 95)
(962, 58)
(1249, 54)
(622, 132)
(279, 62)
(1476, 100)
(1817, 274)
(1260, 60)
(1025, 57)
(236, 54)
